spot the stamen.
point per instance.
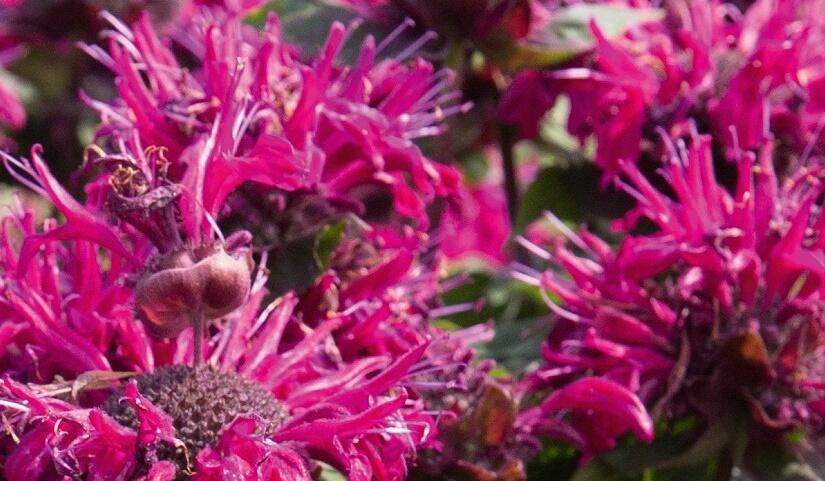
(533, 248)
(15, 406)
(13, 164)
(407, 23)
(455, 309)
(416, 45)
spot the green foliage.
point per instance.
(326, 242)
(567, 35)
(690, 451)
(293, 266)
(328, 473)
(519, 313)
(297, 264)
(556, 462)
(306, 23)
(568, 192)
(571, 25)
(517, 344)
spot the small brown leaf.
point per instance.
(92, 380)
(495, 414)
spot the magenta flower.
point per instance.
(276, 403)
(265, 428)
(346, 365)
(12, 113)
(252, 112)
(479, 227)
(720, 306)
(745, 75)
(613, 98)
(386, 311)
(384, 290)
(348, 354)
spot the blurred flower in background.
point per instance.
(740, 74)
(48, 70)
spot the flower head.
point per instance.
(252, 112)
(95, 308)
(745, 76)
(483, 433)
(197, 423)
(719, 307)
(276, 403)
(149, 248)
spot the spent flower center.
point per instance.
(201, 401)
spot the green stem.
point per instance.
(507, 144)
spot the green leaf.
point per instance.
(517, 343)
(306, 23)
(446, 324)
(553, 127)
(596, 470)
(672, 456)
(573, 194)
(475, 166)
(293, 266)
(572, 23)
(549, 191)
(722, 435)
(556, 461)
(328, 473)
(567, 34)
(326, 242)
(795, 457)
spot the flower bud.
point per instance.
(210, 283)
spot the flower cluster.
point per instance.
(281, 262)
(253, 112)
(718, 307)
(744, 75)
(140, 278)
(68, 315)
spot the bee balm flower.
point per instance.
(719, 307)
(252, 112)
(257, 408)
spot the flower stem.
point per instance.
(197, 333)
(724, 469)
(507, 145)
